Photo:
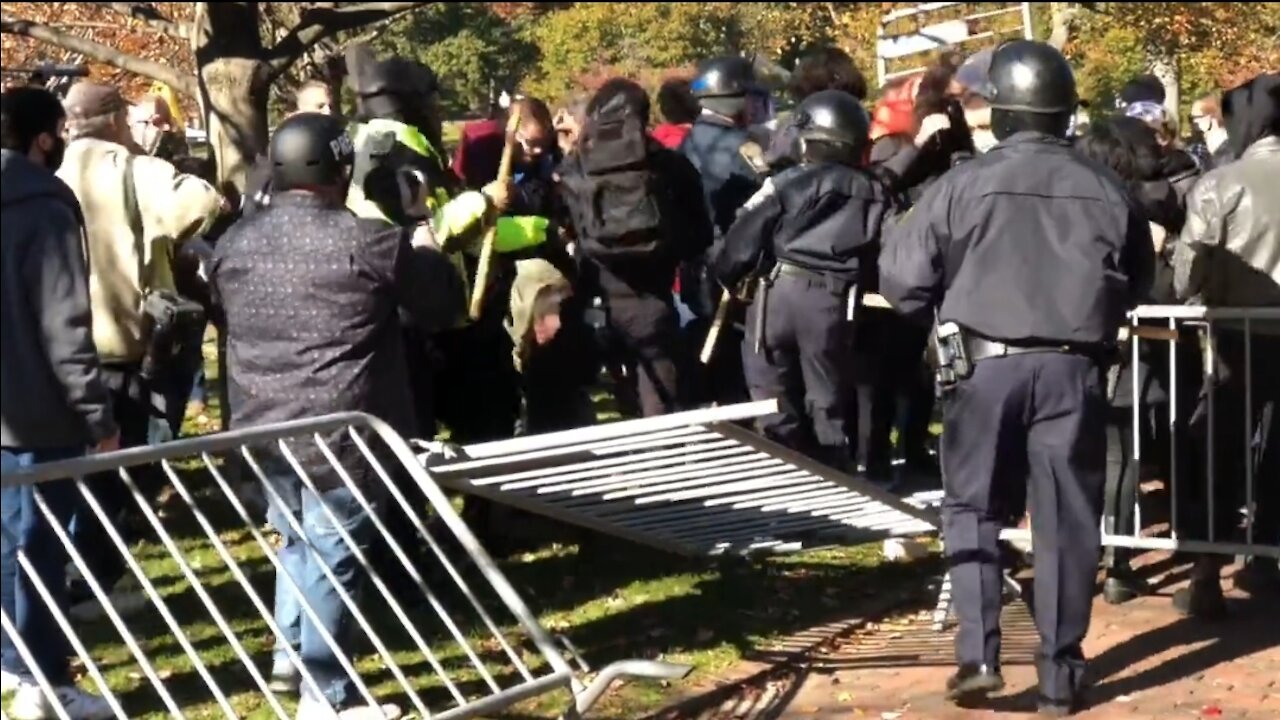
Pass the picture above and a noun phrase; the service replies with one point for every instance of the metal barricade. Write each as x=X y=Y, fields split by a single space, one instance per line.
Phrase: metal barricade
x=692 y=483
x=1205 y=324
x=455 y=641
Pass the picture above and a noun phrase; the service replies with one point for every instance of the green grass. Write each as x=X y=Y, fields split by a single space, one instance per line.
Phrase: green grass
x=613 y=600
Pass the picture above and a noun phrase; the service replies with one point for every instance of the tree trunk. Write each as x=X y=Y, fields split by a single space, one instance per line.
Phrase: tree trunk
x=234 y=88
x=234 y=93
x=1164 y=65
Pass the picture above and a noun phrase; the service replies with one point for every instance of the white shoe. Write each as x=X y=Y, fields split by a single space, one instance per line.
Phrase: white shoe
x=310 y=709
x=9 y=683
x=30 y=703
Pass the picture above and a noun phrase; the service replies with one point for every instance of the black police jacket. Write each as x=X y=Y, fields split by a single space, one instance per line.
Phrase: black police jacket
x=714 y=147
x=823 y=217
x=1029 y=242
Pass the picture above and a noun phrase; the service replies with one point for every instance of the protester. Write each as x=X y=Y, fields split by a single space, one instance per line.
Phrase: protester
x=636 y=211
x=291 y=358
x=1211 y=132
x=155 y=130
x=679 y=110
x=824 y=68
x=314 y=96
x=1228 y=255
x=55 y=403
x=138 y=209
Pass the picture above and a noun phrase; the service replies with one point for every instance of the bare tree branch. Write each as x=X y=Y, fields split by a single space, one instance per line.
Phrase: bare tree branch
x=320 y=21
x=96 y=51
x=149 y=15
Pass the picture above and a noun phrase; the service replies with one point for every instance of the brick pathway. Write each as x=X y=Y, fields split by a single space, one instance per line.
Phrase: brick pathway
x=1146 y=661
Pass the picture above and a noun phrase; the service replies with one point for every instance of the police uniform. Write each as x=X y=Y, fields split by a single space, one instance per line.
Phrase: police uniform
x=1035 y=254
x=715 y=146
x=813 y=229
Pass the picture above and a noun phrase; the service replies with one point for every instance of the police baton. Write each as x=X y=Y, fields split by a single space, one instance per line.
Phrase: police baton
x=713 y=334
x=490 y=236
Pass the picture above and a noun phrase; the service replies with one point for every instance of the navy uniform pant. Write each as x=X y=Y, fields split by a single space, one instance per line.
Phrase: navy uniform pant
x=805 y=363
x=1037 y=418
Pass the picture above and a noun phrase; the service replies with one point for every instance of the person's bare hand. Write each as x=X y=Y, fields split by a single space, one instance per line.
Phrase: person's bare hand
x=107 y=445
x=499 y=193
x=931 y=126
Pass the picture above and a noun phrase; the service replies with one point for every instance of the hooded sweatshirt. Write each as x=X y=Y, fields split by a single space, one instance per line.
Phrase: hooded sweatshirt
x=1229 y=251
x=52 y=391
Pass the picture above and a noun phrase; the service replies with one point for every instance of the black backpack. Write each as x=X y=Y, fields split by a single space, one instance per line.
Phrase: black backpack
x=614 y=195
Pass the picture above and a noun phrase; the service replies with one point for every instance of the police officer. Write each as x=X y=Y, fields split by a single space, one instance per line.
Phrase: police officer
x=731 y=101
x=815 y=228
x=1033 y=254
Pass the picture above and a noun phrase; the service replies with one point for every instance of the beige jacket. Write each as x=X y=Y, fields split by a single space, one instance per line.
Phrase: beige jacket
x=172 y=207
x=1229 y=251
x=533 y=277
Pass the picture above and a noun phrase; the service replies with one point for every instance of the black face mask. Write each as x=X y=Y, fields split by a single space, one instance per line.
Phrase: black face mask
x=53 y=158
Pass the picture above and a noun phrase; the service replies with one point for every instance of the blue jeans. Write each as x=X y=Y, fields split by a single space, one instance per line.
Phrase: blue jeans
x=25 y=528
x=305 y=565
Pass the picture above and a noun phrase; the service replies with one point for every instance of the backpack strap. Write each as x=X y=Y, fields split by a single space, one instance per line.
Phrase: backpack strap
x=133 y=214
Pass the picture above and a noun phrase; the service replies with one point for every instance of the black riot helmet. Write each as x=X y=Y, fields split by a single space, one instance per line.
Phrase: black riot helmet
x=310 y=151
x=1032 y=88
x=831 y=125
x=728 y=76
x=722 y=85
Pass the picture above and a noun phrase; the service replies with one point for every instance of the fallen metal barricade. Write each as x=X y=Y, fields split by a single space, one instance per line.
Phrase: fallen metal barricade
x=1205 y=323
x=457 y=642
x=692 y=483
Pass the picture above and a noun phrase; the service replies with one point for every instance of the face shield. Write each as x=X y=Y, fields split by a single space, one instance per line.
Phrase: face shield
x=759 y=108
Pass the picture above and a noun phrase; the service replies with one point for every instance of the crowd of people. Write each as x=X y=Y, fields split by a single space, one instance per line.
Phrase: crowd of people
x=971 y=197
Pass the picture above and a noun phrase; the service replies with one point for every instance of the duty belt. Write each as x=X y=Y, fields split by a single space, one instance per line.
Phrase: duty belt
x=983 y=349
x=834 y=283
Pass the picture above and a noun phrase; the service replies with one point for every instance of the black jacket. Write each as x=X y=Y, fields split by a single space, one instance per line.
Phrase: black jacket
x=1028 y=243
x=52 y=390
x=823 y=217
x=685 y=215
x=310 y=294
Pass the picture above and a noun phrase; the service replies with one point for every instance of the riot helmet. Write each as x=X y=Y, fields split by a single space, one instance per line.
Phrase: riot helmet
x=309 y=151
x=1032 y=88
x=832 y=126
x=723 y=84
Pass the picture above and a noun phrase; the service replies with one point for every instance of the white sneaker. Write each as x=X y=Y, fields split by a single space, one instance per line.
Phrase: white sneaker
x=311 y=709
x=31 y=704
x=9 y=683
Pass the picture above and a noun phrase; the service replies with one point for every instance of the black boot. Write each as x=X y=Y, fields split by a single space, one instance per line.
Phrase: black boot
x=1203 y=597
x=1057 y=708
x=1123 y=585
x=974 y=682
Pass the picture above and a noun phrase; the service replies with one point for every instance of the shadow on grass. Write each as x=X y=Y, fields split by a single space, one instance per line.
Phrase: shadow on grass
x=626 y=602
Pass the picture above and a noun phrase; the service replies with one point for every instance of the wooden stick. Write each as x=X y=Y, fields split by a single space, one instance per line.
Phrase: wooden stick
x=490 y=236
x=713 y=333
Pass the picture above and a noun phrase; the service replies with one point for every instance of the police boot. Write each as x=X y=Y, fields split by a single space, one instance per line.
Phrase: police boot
x=1203 y=597
x=973 y=683
x=1122 y=583
x=1049 y=708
